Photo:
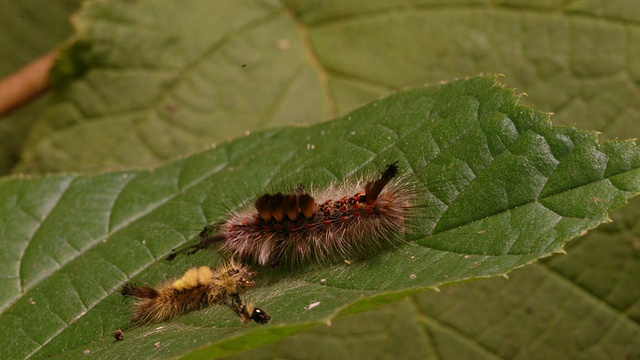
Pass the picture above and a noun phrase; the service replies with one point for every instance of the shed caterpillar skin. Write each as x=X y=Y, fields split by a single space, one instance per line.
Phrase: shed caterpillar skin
x=195 y=290
x=298 y=228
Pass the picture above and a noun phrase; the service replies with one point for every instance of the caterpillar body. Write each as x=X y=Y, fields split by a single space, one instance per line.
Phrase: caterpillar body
x=195 y=290
x=344 y=221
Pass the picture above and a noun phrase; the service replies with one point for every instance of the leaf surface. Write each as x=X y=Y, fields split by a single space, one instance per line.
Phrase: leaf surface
x=148 y=81
x=581 y=305
x=74 y=240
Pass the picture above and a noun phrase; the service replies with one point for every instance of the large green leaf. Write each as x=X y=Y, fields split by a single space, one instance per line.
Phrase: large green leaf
x=563 y=307
x=150 y=80
x=499 y=188
x=146 y=81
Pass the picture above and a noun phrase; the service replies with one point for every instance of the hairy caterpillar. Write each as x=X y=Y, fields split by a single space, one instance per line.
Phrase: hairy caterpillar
x=298 y=227
x=196 y=289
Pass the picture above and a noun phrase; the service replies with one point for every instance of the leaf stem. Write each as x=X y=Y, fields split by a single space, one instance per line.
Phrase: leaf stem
x=26 y=84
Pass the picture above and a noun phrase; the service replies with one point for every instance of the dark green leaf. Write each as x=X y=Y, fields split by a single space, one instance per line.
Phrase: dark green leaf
x=73 y=240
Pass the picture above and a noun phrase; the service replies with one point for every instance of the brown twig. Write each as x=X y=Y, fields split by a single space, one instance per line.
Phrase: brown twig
x=26 y=84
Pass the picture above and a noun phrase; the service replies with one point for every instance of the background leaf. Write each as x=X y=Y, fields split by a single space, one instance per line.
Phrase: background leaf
x=120 y=225
x=28 y=30
x=147 y=81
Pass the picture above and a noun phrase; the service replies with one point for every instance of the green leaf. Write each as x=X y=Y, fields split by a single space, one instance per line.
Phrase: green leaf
x=562 y=307
x=151 y=80
x=566 y=306
x=28 y=30
x=73 y=241
x=146 y=81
